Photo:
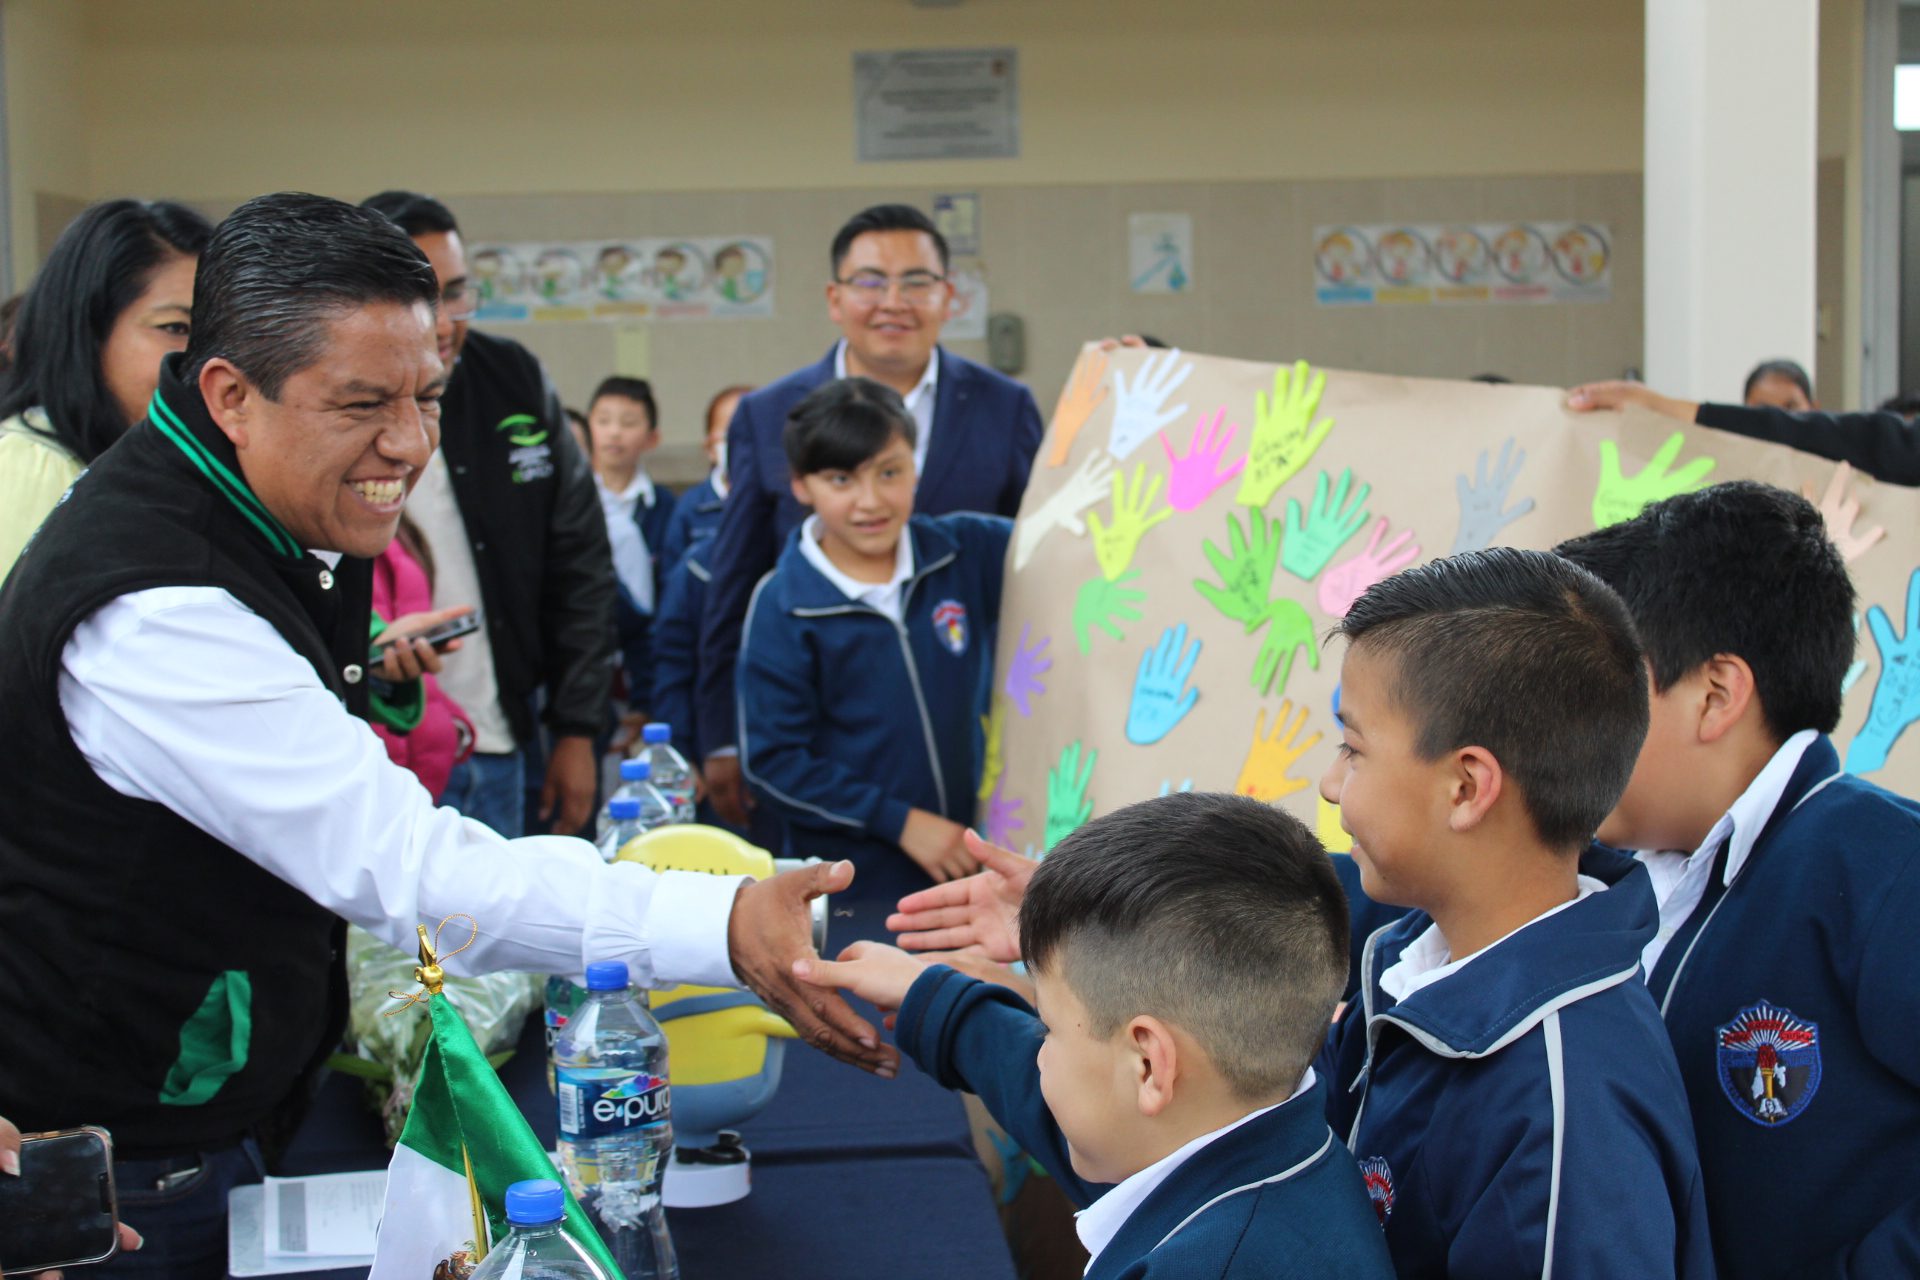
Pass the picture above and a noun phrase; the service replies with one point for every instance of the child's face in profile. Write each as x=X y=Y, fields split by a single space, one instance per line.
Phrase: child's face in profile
x=1650 y=814
x=1089 y=1083
x=863 y=511
x=1394 y=804
x=621 y=431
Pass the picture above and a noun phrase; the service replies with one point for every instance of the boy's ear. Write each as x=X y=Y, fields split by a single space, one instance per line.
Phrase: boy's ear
x=1477 y=782
x=1156 y=1062
x=800 y=494
x=1726 y=695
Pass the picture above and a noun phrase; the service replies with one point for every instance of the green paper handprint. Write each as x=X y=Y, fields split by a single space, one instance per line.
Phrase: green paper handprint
x=1291 y=630
x=1619 y=497
x=1114 y=544
x=1245 y=568
x=1101 y=602
x=1067 y=802
x=1284 y=433
x=1328 y=525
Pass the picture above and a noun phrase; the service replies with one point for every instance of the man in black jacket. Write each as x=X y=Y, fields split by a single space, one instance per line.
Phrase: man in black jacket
x=509 y=513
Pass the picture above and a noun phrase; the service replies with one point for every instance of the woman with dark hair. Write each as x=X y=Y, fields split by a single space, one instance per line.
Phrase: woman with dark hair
x=112 y=298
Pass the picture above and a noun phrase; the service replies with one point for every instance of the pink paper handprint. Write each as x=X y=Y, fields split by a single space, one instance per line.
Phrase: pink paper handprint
x=1349 y=580
x=1197 y=474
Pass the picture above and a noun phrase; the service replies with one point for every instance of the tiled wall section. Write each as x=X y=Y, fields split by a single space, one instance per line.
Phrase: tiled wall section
x=1056 y=257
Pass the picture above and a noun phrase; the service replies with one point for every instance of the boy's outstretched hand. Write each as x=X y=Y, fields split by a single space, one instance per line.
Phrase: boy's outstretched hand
x=981 y=911
x=874 y=971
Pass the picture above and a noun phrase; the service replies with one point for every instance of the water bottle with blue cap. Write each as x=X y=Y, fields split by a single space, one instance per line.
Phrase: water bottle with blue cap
x=671 y=772
x=616 y=1132
x=536 y=1248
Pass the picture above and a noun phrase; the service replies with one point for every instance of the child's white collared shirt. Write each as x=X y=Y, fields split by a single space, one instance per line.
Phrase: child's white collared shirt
x=885 y=597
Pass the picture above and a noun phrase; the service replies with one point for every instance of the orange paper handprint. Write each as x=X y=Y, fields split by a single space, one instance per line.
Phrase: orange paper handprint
x=1086 y=388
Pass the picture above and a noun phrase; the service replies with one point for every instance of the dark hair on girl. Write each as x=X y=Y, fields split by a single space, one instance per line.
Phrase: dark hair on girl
x=99 y=267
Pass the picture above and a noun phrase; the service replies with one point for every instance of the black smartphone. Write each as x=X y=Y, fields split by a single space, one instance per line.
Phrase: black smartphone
x=60 y=1211
x=452 y=629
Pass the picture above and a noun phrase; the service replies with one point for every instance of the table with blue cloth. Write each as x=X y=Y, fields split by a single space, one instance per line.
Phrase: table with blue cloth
x=853 y=1176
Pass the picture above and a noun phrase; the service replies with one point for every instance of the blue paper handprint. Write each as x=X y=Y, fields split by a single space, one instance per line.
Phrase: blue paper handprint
x=1896 y=696
x=1160 y=694
x=1482 y=500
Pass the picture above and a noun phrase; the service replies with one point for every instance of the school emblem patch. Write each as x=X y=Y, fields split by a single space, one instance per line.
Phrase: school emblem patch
x=950 y=626
x=1769 y=1063
x=1379 y=1181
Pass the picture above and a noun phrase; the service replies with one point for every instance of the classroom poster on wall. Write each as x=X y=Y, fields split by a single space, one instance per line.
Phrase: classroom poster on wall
x=1401 y=264
x=1195 y=526
x=967 y=313
x=937 y=104
x=663 y=278
x=1160 y=252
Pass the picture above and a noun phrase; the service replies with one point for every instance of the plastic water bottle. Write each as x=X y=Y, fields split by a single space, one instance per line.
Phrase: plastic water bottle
x=625 y=821
x=636 y=783
x=536 y=1248
x=564 y=998
x=616 y=1131
x=671 y=772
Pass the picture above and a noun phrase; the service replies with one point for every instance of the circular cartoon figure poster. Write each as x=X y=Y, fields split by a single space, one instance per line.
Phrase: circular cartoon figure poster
x=1402 y=255
x=1580 y=254
x=617 y=270
x=1343 y=256
x=1461 y=255
x=679 y=271
x=499 y=275
x=740 y=272
x=1520 y=253
x=557 y=277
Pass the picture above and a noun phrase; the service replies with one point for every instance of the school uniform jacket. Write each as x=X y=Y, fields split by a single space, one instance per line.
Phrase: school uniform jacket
x=1524 y=1117
x=632 y=625
x=848 y=719
x=1793 y=1004
x=986 y=429
x=695 y=516
x=676 y=649
x=1277 y=1197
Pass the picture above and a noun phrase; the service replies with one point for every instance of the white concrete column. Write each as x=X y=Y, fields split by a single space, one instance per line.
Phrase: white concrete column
x=1731 y=142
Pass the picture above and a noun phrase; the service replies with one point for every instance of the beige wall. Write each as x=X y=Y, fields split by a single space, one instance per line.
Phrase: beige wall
x=633 y=117
x=481 y=96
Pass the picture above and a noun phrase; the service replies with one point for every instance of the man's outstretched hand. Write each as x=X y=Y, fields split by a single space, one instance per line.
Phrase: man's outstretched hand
x=769 y=931
x=981 y=911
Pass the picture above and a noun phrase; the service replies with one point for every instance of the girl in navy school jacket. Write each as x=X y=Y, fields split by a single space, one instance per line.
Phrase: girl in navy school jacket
x=848 y=720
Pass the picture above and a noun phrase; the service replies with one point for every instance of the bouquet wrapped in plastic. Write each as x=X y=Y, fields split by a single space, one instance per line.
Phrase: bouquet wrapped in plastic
x=386 y=1052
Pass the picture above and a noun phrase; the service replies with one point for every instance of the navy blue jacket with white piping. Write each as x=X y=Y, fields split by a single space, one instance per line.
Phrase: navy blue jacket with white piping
x=695 y=517
x=1812 y=1167
x=1277 y=1197
x=848 y=720
x=1524 y=1116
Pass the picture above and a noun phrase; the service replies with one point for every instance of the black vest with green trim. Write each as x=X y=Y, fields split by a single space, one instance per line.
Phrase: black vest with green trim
x=152 y=979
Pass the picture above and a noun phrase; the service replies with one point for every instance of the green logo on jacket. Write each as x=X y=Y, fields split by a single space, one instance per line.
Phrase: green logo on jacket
x=523 y=429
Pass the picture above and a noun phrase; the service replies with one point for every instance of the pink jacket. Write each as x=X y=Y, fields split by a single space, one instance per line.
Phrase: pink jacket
x=444 y=736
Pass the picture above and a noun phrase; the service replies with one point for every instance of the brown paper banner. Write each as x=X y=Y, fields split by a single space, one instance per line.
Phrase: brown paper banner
x=1118 y=676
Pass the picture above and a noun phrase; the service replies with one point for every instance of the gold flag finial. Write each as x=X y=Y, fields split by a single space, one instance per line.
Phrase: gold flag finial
x=428 y=972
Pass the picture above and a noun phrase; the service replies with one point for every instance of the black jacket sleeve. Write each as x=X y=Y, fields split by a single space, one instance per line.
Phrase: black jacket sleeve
x=576 y=589
x=1881 y=444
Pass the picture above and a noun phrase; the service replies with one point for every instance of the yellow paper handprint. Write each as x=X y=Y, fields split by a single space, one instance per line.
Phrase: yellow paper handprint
x=1264 y=773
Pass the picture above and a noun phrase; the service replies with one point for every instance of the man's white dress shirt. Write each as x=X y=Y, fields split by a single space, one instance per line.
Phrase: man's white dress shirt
x=185 y=697
x=468 y=676
x=920 y=401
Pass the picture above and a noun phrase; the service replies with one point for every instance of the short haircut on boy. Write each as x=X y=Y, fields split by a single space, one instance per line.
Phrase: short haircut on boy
x=840 y=424
x=638 y=390
x=885 y=217
x=1739 y=568
x=1214 y=912
x=1526 y=655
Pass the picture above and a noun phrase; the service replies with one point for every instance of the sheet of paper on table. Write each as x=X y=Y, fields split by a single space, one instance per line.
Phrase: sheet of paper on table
x=319 y=1223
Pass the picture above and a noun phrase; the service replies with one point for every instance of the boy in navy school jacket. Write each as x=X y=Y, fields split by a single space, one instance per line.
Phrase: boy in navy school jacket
x=867 y=656
x=1186 y=953
x=1504 y=1078
x=1789 y=890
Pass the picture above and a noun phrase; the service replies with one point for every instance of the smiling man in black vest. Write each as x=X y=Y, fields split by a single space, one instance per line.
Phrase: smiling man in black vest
x=190 y=810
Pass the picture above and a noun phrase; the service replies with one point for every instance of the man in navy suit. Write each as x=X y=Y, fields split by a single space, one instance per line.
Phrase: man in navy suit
x=978 y=432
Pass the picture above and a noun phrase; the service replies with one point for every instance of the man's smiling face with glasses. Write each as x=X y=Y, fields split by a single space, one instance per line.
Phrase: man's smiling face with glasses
x=889 y=298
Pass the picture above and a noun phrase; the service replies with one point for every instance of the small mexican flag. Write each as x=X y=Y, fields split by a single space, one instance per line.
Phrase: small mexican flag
x=464 y=1144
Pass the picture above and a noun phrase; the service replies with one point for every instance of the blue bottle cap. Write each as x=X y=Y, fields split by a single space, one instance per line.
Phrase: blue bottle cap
x=622 y=808
x=636 y=770
x=607 y=975
x=535 y=1202
x=656 y=732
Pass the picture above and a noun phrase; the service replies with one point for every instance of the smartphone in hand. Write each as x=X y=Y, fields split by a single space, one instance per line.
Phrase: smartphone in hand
x=61 y=1210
